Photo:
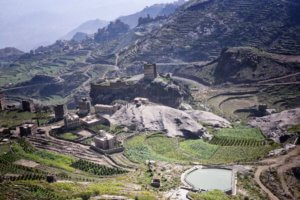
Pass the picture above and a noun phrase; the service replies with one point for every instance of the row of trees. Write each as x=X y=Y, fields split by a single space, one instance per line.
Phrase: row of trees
x=96 y=169
x=237 y=142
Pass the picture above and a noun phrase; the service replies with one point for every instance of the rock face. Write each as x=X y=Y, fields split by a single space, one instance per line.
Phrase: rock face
x=160 y=90
x=247 y=64
x=209 y=118
x=274 y=126
x=154 y=117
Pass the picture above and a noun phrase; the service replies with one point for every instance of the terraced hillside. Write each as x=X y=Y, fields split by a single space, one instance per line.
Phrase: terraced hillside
x=200 y=29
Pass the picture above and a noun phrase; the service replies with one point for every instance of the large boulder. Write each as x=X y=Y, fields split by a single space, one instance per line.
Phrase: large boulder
x=276 y=125
x=154 y=117
x=209 y=118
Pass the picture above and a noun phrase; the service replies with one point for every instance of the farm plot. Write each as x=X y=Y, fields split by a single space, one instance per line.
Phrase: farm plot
x=239 y=136
x=160 y=147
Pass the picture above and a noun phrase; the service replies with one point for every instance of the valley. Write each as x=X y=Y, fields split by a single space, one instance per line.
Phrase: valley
x=135 y=109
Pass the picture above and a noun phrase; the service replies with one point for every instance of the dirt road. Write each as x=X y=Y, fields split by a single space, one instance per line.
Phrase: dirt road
x=282 y=163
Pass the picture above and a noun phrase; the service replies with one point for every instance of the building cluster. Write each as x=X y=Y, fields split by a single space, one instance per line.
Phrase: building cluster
x=84 y=116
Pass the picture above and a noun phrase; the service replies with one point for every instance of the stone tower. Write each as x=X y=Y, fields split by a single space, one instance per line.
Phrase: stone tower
x=150 y=72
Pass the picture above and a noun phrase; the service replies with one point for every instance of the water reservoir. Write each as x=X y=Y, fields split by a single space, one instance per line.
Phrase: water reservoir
x=210 y=179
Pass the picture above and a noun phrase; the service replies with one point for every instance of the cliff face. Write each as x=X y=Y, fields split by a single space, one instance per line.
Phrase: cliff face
x=160 y=90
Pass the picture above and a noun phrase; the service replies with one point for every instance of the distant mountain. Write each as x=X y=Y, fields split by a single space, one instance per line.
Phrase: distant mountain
x=88 y=27
x=32 y=30
x=152 y=11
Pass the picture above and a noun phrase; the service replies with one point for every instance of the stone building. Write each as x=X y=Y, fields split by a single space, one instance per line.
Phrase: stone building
x=106 y=141
x=150 y=72
x=2 y=102
x=105 y=109
x=60 y=112
x=27 y=106
x=92 y=120
x=28 y=129
x=84 y=107
x=71 y=121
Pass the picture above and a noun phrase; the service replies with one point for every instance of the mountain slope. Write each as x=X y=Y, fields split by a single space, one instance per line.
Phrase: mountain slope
x=202 y=28
x=152 y=11
x=88 y=27
x=10 y=54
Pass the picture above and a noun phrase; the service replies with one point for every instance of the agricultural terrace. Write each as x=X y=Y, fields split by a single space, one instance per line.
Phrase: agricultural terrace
x=239 y=136
x=178 y=150
x=24 y=170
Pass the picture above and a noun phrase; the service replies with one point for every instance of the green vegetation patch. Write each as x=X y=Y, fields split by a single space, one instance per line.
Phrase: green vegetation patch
x=241 y=132
x=68 y=136
x=239 y=136
x=199 y=149
x=211 y=195
x=14 y=118
x=23 y=149
x=160 y=147
x=294 y=129
x=96 y=169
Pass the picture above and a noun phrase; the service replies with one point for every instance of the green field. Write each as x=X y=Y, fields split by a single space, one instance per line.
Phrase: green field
x=241 y=132
x=14 y=118
x=239 y=136
x=160 y=147
x=212 y=195
x=68 y=136
x=23 y=149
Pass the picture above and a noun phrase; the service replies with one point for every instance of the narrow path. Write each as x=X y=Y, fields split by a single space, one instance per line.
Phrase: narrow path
x=279 y=78
x=258 y=172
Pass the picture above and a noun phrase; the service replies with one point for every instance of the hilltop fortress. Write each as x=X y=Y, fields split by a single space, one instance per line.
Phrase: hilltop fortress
x=157 y=88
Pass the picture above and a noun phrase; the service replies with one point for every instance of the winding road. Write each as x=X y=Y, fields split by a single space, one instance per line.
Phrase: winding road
x=282 y=163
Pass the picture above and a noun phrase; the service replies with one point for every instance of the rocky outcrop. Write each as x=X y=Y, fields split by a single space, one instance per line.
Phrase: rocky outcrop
x=276 y=125
x=154 y=117
x=160 y=90
x=208 y=118
x=112 y=31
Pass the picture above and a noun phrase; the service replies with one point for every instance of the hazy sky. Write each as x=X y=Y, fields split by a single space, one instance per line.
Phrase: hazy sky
x=80 y=9
x=27 y=24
